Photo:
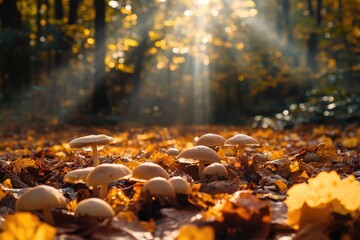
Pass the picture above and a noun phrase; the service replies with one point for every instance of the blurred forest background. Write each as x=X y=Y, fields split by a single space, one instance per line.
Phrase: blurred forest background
x=273 y=63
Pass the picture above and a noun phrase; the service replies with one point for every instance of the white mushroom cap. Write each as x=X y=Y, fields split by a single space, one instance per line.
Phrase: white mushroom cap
x=173 y=151
x=180 y=185
x=94 y=207
x=78 y=175
x=86 y=141
x=241 y=139
x=202 y=154
x=40 y=197
x=199 y=153
x=107 y=172
x=92 y=142
x=159 y=187
x=211 y=140
x=148 y=170
x=216 y=169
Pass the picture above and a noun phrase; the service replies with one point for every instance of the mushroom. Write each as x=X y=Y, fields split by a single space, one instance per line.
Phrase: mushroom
x=41 y=197
x=173 y=151
x=216 y=169
x=311 y=157
x=148 y=170
x=180 y=185
x=94 y=207
x=259 y=159
x=241 y=141
x=211 y=140
x=201 y=154
x=78 y=175
x=105 y=173
x=94 y=143
x=160 y=188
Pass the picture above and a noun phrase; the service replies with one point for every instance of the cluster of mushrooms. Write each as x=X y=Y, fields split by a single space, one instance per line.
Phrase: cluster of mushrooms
x=157 y=181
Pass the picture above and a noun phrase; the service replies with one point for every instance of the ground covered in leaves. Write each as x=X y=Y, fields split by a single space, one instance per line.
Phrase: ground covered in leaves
x=301 y=183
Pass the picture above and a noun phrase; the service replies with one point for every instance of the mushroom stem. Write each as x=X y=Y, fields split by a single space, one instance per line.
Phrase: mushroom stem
x=103 y=191
x=201 y=169
x=95 y=155
x=174 y=201
x=95 y=191
x=48 y=215
x=240 y=150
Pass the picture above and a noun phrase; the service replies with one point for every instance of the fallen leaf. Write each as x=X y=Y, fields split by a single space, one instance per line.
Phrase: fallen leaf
x=193 y=232
x=24 y=226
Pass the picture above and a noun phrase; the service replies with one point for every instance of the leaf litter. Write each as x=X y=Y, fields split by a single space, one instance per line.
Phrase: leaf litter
x=269 y=194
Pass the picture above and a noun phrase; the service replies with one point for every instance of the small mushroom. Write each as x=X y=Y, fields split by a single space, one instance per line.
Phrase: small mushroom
x=211 y=140
x=94 y=143
x=173 y=151
x=94 y=207
x=160 y=188
x=201 y=154
x=180 y=185
x=78 y=175
x=216 y=169
x=182 y=190
x=147 y=170
x=311 y=157
x=104 y=174
x=259 y=159
x=241 y=141
x=41 y=197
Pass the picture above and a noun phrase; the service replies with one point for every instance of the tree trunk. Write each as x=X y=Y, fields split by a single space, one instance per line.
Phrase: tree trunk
x=100 y=101
x=9 y=15
x=279 y=20
x=311 y=50
x=59 y=10
x=349 y=60
x=312 y=43
x=74 y=5
x=147 y=18
x=318 y=13
x=15 y=57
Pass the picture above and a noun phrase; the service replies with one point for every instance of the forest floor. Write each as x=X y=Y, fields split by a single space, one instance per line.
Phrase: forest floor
x=274 y=190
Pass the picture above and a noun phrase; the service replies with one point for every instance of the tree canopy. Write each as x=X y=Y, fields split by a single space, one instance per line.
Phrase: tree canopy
x=189 y=61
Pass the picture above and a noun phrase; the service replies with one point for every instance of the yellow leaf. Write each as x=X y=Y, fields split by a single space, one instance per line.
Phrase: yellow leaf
x=7 y=183
x=347 y=193
x=294 y=166
x=276 y=155
x=117 y=198
x=149 y=225
x=2 y=194
x=128 y=216
x=24 y=226
x=193 y=232
x=22 y=163
x=351 y=142
x=281 y=185
x=325 y=194
x=70 y=206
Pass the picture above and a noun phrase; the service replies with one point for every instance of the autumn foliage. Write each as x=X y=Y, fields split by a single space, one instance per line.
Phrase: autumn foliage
x=300 y=182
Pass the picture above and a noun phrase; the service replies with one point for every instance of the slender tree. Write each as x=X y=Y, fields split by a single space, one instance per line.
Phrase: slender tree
x=146 y=20
x=100 y=101
x=312 y=43
x=59 y=10
x=74 y=5
x=9 y=15
x=14 y=60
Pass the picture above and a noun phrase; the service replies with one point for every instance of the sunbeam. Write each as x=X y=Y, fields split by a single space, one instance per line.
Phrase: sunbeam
x=188 y=61
x=200 y=71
